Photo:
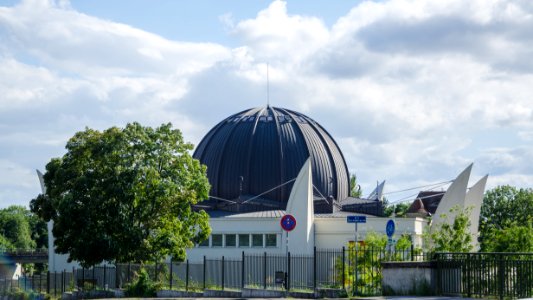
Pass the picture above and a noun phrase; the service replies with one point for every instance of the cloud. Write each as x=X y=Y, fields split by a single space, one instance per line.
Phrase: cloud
x=407 y=88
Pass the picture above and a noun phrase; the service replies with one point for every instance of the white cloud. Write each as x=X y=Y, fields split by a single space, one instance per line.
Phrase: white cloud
x=405 y=87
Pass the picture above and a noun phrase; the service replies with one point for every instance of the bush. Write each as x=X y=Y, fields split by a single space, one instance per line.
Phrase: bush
x=142 y=286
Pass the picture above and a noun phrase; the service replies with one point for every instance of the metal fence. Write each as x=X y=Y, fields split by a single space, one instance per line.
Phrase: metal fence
x=356 y=270
x=503 y=275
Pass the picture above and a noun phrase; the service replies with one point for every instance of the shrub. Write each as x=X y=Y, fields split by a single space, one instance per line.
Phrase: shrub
x=142 y=286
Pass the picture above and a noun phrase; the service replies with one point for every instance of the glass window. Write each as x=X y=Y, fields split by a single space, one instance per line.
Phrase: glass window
x=231 y=240
x=257 y=240
x=204 y=243
x=262 y=118
x=244 y=240
x=216 y=240
x=270 y=240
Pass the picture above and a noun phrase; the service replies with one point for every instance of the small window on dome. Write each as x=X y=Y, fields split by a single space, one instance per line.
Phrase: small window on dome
x=262 y=119
x=270 y=119
x=251 y=119
x=288 y=119
x=236 y=120
x=281 y=118
x=244 y=119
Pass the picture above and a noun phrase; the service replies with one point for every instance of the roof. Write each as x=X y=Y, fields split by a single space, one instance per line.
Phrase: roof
x=260 y=151
x=430 y=201
x=256 y=214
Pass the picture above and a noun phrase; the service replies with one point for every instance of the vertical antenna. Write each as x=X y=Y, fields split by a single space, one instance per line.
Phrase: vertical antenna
x=268 y=88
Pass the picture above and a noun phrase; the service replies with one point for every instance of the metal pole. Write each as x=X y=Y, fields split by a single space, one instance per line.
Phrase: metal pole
x=288 y=271
x=314 y=268
x=105 y=277
x=187 y=276
x=242 y=271
x=204 y=272
x=343 y=268
x=48 y=282
x=265 y=271
x=171 y=273
x=222 y=272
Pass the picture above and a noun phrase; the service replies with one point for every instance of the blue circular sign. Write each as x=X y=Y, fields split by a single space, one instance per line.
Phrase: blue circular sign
x=391 y=226
x=288 y=222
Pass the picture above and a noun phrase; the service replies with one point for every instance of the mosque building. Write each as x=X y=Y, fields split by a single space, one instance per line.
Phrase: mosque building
x=265 y=163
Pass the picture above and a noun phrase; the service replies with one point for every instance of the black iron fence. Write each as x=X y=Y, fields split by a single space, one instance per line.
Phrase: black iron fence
x=358 y=271
x=503 y=275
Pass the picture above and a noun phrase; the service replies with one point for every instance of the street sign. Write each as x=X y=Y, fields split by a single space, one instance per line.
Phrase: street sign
x=390 y=228
x=288 y=222
x=356 y=219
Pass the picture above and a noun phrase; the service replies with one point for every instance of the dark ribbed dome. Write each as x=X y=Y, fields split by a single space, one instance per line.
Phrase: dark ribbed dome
x=256 y=150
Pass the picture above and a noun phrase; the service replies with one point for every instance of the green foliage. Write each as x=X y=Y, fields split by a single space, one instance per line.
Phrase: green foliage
x=125 y=195
x=142 y=286
x=514 y=238
x=5 y=244
x=15 y=227
x=455 y=237
x=403 y=243
x=504 y=208
x=355 y=189
x=398 y=209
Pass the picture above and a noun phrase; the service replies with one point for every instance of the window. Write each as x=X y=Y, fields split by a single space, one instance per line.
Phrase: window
x=231 y=240
x=270 y=240
x=204 y=243
x=216 y=240
x=257 y=240
x=244 y=240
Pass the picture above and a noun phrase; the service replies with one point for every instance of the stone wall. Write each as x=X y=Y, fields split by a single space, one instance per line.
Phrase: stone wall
x=408 y=278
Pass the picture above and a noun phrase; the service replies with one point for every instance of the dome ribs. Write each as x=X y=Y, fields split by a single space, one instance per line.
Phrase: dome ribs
x=268 y=146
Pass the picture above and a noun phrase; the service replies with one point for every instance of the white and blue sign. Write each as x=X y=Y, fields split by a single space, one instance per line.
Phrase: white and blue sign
x=356 y=219
x=391 y=227
x=288 y=222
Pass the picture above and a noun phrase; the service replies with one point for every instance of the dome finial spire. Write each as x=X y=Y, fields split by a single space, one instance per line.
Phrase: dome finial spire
x=268 y=87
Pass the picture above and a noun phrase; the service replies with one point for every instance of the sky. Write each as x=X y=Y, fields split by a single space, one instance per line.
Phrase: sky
x=413 y=91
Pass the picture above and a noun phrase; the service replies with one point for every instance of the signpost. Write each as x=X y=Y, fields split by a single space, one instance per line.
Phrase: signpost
x=288 y=223
x=356 y=220
x=389 y=229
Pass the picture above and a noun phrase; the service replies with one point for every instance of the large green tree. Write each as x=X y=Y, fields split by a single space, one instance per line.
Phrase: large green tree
x=503 y=209
x=125 y=194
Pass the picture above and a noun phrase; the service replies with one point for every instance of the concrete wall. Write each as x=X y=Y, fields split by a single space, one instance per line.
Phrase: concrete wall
x=335 y=232
x=408 y=278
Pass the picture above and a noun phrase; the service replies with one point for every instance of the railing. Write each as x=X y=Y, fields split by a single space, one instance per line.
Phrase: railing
x=356 y=270
x=502 y=275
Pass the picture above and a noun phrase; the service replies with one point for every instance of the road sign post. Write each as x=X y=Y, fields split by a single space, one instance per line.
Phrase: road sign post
x=356 y=220
x=288 y=223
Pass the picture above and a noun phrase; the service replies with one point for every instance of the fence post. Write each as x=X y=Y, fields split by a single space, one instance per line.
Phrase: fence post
x=222 y=272
x=41 y=282
x=204 y=272
x=501 y=277
x=242 y=271
x=265 y=271
x=105 y=277
x=170 y=275
x=354 y=287
x=314 y=268
x=63 y=275
x=48 y=282
x=95 y=282
x=288 y=271
x=116 y=276
x=187 y=276
x=129 y=272
x=468 y=275
x=55 y=283
x=343 y=268
x=412 y=252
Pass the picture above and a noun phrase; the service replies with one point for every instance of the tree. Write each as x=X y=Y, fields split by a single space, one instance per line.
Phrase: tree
x=514 y=238
x=454 y=237
x=355 y=189
x=15 y=228
x=503 y=207
x=125 y=195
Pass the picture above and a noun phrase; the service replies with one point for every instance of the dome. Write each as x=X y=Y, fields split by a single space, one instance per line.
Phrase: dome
x=253 y=157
